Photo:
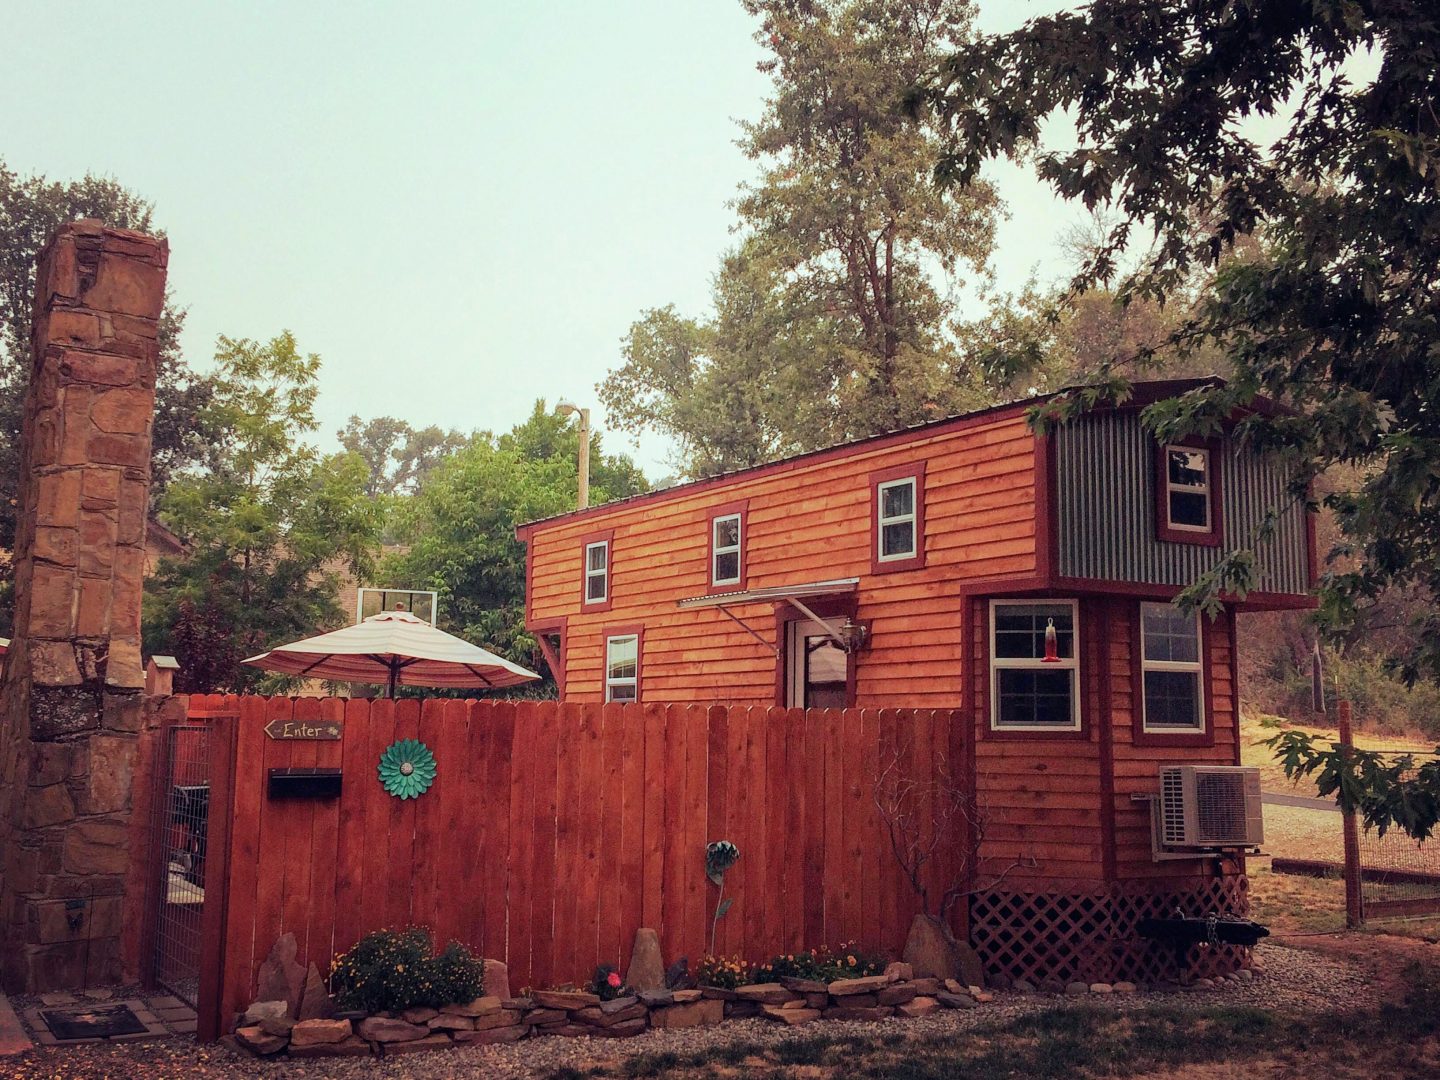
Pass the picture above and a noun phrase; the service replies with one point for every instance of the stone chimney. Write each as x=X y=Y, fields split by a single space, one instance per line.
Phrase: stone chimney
x=70 y=701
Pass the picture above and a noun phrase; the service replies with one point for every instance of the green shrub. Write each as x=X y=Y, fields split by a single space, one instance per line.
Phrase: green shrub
x=606 y=984
x=389 y=970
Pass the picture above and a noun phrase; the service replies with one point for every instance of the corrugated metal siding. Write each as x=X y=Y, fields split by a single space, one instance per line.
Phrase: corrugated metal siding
x=1105 y=472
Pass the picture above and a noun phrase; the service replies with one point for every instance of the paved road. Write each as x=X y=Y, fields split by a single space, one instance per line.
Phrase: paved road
x=1305 y=802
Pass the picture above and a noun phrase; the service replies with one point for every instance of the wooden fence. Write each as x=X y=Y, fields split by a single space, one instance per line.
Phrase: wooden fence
x=553 y=831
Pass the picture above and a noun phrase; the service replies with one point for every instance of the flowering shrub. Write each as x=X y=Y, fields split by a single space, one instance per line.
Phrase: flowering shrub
x=822 y=964
x=607 y=984
x=388 y=970
x=724 y=972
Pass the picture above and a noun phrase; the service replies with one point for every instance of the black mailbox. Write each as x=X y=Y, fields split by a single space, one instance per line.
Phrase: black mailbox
x=304 y=784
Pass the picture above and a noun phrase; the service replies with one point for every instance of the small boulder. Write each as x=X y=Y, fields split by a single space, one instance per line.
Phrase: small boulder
x=657 y=998
x=1101 y=988
x=281 y=978
x=384 y=1029
x=315 y=1032
x=647 y=965
x=255 y=1039
x=696 y=1014
x=920 y=1006
x=315 y=1000
x=899 y=971
x=265 y=1010
x=955 y=1001
x=497 y=979
x=677 y=975
x=1125 y=988
x=1076 y=989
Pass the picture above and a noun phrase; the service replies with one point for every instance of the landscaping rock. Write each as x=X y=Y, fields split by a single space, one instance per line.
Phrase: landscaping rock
x=742 y=1010
x=315 y=1000
x=677 y=975
x=954 y=987
x=920 y=1006
x=696 y=1014
x=1021 y=986
x=483 y=1006
x=517 y=1004
x=684 y=996
x=999 y=982
x=420 y=1014
x=354 y=1046
x=932 y=952
x=624 y=1030
x=817 y=1000
x=647 y=965
x=867 y=985
x=508 y=1034
x=497 y=979
x=899 y=971
x=793 y=1017
x=898 y=994
x=563 y=999
x=255 y=1039
x=316 y=1032
x=955 y=1001
x=927 y=986
x=449 y=1022
x=765 y=994
x=498 y=1018
x=620 y=1004
x=281 y=978
x=278 y=1025
x=804 y=986
x=429 y=1042
x=384 y=1029
x=598 y=1017
x=1075 y=989
x=1101 y=988
x=657 y=998
x=536 y=1017
x=265 y=1010
x=1125 y=988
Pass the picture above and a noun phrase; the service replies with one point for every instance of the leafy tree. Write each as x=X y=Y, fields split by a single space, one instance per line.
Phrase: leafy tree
x=458 y=532
x=1336 y=310
x=398 y=456
x=269 y=523
x=829 y=320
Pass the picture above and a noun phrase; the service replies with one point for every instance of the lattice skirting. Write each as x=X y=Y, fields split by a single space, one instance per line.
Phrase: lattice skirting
x=1090 y=936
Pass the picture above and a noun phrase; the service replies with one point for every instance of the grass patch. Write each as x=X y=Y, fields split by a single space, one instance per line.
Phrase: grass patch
x=1088 y=1041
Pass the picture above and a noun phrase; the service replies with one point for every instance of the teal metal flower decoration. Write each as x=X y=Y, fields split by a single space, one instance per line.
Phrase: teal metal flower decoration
x=407 y=768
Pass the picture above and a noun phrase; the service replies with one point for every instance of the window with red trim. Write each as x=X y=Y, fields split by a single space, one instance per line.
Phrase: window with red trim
x=897 y=518
x=1187 y=493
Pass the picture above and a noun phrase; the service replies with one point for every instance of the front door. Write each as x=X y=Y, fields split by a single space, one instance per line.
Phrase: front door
x=815 y=666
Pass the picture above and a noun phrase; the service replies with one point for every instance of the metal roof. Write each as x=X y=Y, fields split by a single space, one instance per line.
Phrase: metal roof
x=774 y=592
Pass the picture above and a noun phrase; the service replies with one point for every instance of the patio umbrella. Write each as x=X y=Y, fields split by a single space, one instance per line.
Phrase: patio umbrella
x=397 y=649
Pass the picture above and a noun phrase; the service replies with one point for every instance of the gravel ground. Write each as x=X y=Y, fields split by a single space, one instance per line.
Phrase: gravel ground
x=1292 y=981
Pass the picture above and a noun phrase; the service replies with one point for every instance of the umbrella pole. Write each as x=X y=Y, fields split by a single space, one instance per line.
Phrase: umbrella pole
x=394 y=675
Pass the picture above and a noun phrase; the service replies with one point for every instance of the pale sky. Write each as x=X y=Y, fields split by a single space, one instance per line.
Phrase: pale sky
x=460 y=206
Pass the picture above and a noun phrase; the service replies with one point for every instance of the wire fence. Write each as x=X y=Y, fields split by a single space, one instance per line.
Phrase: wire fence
x=180 y=814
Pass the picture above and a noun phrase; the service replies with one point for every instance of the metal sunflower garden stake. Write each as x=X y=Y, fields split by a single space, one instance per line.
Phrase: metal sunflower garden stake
x=407 y=768
x=719 y=857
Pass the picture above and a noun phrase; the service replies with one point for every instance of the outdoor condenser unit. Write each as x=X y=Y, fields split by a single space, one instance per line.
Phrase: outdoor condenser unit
x=1210 y=806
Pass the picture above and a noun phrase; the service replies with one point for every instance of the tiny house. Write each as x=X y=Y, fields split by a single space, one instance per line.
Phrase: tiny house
x=969 y=564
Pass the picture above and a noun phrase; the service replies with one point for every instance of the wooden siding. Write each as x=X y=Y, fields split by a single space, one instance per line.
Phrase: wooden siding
x=803 y=524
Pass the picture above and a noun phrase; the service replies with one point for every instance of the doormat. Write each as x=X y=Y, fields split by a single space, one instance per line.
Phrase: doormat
x=95 y=1022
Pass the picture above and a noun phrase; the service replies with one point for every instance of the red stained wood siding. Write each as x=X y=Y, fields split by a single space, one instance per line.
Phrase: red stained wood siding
x=805 y=521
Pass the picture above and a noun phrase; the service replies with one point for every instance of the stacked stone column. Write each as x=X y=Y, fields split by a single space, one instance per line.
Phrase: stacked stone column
x=70 y=704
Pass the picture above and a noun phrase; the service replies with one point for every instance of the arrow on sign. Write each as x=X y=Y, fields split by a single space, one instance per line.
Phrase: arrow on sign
x=321 y=730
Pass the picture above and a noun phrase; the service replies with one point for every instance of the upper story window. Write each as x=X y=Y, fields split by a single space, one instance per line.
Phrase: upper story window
x=1187 y=488
x=1187 y=492
x=622 y=668
x=725 y=541
x=898 y=518
x=1034 y=665
x=597 y=572
x=1171 y=669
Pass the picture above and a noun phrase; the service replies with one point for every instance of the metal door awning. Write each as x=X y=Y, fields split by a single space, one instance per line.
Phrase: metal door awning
x=794 y=595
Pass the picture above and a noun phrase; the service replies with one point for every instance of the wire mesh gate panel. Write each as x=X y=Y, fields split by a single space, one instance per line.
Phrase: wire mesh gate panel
x=180 y=813
x=1399 y=876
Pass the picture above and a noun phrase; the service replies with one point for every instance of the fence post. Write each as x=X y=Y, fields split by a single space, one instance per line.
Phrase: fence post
x=224 y=732
x=1354 y=908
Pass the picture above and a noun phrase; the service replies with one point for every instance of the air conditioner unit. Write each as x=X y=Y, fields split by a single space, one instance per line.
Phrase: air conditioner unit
x=1210 y=806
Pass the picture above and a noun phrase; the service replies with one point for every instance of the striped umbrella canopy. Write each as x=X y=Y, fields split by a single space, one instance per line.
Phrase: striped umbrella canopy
x=397 y=649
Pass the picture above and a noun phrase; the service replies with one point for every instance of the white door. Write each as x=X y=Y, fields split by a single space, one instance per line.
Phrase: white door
x=815 y=667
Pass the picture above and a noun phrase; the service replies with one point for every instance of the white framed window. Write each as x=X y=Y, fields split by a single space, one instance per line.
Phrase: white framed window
x=895 y=508
x=726 y=537
x=1171 y=669
x=1188 y=480
x=622 y=668
x=1029 y=692
x=597 y=572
